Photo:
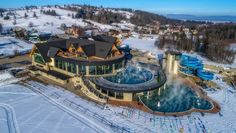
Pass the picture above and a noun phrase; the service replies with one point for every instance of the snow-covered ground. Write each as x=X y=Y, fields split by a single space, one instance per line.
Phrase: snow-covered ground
x=147 y=44
x=127 y=14
x=51 y=24
x=23 y=110
x=7 y=78
x=124 y=25
x=47 y=108
x=10 y=45
x=43 y=23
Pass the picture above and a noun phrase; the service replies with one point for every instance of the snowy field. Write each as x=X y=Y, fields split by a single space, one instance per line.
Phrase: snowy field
x=147 y=45
x=24 y=111
x=38 y=108
x=10 y=45
x=43 y=23
x=51 y=24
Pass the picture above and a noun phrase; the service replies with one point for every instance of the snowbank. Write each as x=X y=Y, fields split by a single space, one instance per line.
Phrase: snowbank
x=146 y=45
x=10 y=46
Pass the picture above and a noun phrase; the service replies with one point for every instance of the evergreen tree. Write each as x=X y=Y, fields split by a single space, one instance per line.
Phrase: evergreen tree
x=14 y=22
x=63 y=26
x=26 y=16
x=35 y=15
x=6 y=17
x=0 y=28
x=197 y=44
x=31 y=24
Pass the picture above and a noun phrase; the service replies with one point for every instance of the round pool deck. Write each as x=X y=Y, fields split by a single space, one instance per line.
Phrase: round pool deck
x=152 y=84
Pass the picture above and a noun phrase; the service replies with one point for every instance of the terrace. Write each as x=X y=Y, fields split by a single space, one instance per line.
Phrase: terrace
x=154 y=82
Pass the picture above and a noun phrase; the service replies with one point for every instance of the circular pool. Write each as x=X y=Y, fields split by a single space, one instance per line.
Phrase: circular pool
x=175 y=98
x=132 y=74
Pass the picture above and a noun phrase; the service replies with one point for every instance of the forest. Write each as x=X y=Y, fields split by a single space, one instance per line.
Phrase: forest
x=212 y=41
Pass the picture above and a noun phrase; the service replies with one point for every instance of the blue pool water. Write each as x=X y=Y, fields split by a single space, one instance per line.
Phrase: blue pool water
x=131 y=75
x=175 y=98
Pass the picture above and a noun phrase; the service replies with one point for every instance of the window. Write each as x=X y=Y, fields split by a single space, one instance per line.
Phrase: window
x=58 y=63
x=92 y=70
x=108 y=69
x=71 y=68
x=63 y=66
x=39 y=59
x=111 y=94
x=119 y=95
x=118 y=65
x=104 y=91
x=99 y=70
x=82 y=69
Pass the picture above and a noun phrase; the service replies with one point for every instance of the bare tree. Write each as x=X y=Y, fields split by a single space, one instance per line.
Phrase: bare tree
x=14 y=22
x=31 y=24
x=26 y=15
x=35 y=15
x=0 y=28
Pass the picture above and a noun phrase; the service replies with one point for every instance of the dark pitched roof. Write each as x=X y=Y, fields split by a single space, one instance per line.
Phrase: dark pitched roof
x=102 y=49
x=52 y=52
x=78 y=42
x=104 y=38
x=58 y=43
x=43 y=48
x=91 y=48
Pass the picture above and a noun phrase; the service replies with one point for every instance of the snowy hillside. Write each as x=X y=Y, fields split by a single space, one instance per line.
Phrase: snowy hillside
x=10 y=46
x=43 y=23
x=51 y=24
x=34 y=107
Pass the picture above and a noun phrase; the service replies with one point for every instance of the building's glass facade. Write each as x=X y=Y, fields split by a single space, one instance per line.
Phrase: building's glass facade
x=92 y=70
x=38 y=59
x=117 y=95
x=82 y=70
x=88 y=70
x=71 y=68
x=60 y=64
x=118 y=65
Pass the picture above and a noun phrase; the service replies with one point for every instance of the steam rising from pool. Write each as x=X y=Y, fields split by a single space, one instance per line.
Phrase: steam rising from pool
x=176 y=97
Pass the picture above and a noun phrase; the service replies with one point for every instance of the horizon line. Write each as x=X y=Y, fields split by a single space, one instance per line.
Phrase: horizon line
x=151 y=11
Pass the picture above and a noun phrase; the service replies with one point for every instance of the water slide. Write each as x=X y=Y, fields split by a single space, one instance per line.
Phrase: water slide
x=193 y=66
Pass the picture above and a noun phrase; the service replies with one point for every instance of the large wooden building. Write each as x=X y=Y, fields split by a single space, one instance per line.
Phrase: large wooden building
x=85 y=62
x=78 y=56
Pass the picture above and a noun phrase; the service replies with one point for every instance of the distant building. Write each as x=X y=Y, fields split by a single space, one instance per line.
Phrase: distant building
x=75 y=31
